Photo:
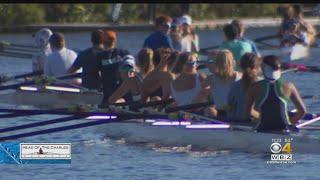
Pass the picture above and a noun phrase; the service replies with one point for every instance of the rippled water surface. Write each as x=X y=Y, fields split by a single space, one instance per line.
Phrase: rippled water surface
x=97 y=157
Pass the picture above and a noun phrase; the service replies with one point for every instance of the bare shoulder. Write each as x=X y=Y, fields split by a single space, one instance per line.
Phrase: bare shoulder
x=202 y=76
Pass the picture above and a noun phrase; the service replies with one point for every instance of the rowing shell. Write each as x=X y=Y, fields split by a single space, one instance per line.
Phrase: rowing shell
x=51 y=99
x=294 y=53
x=204 y=137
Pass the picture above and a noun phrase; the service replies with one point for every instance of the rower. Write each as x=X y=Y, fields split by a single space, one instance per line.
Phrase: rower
x=61 y=58
x=221 y=80
x=158 y=80
x=160 y=38
x=145 y=62
x=175 y=33
x=42 y=42
x=250 y=64
x=87 y=60
x=267 y=99
x=109 y=60
x=131 y=82
x=232 y=43
x=239 y=24
x=189 y=39
x=304 y=25
x=186 y=88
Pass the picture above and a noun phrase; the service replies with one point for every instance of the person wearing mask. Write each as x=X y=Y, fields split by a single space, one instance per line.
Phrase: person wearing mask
x=267 y=100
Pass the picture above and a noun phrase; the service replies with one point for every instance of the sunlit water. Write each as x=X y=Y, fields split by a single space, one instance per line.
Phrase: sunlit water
x=97 y=157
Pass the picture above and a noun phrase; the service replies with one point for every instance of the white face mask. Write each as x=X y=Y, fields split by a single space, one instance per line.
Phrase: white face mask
x=269 y=73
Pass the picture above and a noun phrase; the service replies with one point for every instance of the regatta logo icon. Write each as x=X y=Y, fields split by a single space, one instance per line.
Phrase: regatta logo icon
x=281 y=153
x=45 y=151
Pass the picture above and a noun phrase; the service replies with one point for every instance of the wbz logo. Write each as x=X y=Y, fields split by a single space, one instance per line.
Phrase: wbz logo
x=281 y=153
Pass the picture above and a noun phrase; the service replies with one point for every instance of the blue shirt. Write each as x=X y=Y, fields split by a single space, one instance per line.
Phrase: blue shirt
x=87 y=60
x=237 y=47
x=253 y=45
x=158 y=40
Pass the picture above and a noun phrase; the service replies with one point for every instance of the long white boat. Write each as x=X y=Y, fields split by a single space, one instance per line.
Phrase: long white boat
x=297 y=52
x=204 y=136
x=52 y=96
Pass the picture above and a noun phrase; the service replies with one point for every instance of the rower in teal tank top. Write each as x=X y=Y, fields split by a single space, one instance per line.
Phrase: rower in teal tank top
x=268 y=99
x=232 y=43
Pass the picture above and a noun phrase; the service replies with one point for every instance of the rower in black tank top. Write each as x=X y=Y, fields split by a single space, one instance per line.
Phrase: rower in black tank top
x=273 y=109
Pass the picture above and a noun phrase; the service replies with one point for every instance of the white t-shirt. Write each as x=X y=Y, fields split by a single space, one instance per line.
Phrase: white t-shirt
x=59 y=62
x=39 y=59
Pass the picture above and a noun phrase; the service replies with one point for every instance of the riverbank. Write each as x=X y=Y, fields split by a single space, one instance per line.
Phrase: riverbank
x=201 y=25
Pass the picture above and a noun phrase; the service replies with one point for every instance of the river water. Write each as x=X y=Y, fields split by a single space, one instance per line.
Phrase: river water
x=95 y=156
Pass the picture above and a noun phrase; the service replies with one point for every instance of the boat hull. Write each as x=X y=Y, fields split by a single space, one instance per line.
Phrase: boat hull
x=135 y=131
x=50 y=99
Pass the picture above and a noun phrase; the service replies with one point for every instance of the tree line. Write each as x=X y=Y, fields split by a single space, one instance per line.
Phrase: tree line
x=24 y=14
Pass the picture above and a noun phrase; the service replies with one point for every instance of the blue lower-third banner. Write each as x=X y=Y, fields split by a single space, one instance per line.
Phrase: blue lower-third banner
x=35 y=153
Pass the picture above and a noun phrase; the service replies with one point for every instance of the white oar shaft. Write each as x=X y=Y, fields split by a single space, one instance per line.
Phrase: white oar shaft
x=308 y=122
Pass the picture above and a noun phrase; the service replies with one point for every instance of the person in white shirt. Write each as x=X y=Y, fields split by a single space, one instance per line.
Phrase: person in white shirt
x=42 y=42
x=61 y=58
x=190 y=40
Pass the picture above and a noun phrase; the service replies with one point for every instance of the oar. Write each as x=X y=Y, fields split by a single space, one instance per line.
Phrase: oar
x=7 y=44
x=308 y=122
x=16 y=55
x=80 y=125
x=300 y=67
x=25 y=75
x=15 y=86
x=266 y=38
x=188 y=107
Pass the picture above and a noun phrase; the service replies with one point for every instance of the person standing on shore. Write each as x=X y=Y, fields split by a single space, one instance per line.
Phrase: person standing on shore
x=87 y=60
x=160 y=38
x=42 y=42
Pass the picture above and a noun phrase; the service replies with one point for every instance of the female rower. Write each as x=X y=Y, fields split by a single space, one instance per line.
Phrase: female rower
x=224 y=75
x=145 y=61
x=156 y=81
x=250 y=64
x=131 y=82
x=189 y=39
x=267 y=99
x=186 y=88
x=42 y=42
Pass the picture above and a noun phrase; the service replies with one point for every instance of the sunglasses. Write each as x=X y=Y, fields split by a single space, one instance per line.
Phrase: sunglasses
x=191 y=63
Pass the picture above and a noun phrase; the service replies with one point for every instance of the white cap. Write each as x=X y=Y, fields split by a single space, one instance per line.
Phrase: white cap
x=186 y=19
x=42 y=37
x=128 y=60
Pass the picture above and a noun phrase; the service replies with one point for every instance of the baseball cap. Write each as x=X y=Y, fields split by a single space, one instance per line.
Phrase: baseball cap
x=128 y=63
x=186 y=19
